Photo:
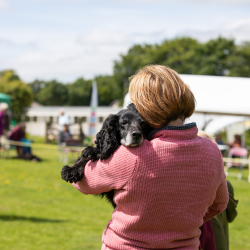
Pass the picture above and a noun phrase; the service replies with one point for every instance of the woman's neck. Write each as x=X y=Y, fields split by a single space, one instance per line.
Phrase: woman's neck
x=178 y=122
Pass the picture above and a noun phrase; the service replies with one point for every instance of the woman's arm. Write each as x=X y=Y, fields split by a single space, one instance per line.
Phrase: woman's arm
x=232 y=204
x=105 y=175
x=221 y=198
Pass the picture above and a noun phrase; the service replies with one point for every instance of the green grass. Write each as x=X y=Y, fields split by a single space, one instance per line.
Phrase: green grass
x=35 y=139
x=38 y=210
x=239 y=229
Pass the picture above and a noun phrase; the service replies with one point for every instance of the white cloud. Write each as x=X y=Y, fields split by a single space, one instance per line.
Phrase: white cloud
x=236 y=2
x=238 y=24
x=3 y=5
x=96 y=51
x=238 y=30
x=65 y=65
x=103 y=37
x=8 y=42
x=60 y=1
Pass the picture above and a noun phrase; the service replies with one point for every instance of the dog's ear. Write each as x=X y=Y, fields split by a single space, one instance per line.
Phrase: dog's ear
x=132 y=107
x=108 y=139
x=146 y=129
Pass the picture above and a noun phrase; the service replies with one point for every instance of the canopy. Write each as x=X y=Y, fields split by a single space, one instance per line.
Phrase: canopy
x=5 y=98
x=221 y=122
x=218 y=95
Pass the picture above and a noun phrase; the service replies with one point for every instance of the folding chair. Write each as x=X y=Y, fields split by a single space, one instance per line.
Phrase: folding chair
x=71 y=146
x=240 y=153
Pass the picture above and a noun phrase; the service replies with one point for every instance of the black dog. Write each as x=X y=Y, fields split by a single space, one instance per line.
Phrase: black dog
x=126 y=128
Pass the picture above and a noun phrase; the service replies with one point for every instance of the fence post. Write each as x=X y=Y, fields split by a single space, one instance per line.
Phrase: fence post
x=249 y=169
x=46 y=132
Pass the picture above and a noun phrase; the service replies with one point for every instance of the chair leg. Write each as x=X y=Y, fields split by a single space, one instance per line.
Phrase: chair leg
x=239 y=176
x=249 y=169
x=65 y=158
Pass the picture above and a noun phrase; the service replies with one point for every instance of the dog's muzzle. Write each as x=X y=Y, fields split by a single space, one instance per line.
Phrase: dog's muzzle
x=133 y=139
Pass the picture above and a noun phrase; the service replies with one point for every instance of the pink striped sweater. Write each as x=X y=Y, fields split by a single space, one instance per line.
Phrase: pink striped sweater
x=165 y=190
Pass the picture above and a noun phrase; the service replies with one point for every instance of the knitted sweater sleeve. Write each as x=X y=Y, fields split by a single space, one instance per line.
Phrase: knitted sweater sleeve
x=105 y=175
x=221 y=198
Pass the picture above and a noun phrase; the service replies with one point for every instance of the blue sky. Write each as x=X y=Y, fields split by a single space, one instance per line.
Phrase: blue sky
x=67 y=39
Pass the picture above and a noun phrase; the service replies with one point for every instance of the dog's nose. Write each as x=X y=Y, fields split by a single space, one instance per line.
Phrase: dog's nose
x=136 y=134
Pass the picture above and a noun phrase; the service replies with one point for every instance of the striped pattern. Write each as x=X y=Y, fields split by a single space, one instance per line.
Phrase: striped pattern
x=165 y=189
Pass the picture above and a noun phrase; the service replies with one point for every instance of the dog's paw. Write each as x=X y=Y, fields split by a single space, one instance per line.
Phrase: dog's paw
x=72 y=174
x=65 y=173
x=89 y=153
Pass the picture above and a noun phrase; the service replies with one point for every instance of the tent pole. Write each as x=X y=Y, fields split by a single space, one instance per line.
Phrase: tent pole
x=243 y=136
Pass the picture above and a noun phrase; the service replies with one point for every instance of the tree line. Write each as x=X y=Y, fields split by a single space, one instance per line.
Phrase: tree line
x=220 y=57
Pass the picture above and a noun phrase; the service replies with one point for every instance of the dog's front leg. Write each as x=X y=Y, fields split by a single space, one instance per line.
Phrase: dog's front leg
x=90 y=153
x=74 y=173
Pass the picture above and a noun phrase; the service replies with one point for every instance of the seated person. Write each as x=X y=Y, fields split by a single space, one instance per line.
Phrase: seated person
x=218 y=139
x=64 y=135
x=236 y=143
x=18 y=134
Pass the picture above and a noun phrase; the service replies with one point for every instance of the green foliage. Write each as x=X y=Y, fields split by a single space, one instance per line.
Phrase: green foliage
x=79 y=92
x=221 y=57
x=54 y=93
x=108 y=90
x=9 y=75
x=20 y=93
x=36 y=87
x=241 y=63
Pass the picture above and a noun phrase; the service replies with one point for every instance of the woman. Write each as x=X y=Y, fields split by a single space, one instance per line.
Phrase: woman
x=172 y=183
x=18 y=135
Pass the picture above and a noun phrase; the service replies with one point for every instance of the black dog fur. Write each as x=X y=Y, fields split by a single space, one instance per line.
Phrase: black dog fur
x=127 y=128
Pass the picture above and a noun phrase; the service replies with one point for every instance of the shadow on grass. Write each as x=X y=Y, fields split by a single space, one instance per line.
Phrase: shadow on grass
x=31 y=219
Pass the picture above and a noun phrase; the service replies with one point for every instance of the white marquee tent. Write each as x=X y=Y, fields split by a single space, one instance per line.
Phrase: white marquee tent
x=217 y=96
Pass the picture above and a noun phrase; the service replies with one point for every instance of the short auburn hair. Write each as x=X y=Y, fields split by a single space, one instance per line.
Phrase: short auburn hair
x=160 y=95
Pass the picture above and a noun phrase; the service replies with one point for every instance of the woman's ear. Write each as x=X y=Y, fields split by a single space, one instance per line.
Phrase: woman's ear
x=108 y=139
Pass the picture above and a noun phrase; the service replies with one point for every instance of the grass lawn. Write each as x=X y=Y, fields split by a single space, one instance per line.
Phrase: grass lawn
x=38 y=210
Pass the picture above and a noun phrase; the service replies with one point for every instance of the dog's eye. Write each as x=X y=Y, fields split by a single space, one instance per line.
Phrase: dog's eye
x=124 y=122
x=143 y=124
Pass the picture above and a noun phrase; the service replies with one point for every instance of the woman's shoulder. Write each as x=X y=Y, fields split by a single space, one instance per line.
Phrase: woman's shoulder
x=133 y=152
x=209 y=144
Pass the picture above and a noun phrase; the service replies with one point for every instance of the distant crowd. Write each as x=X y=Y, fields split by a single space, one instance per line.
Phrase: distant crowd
x=17 y=134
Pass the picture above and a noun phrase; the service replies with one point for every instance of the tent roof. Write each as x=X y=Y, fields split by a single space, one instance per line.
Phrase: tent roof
x=222 y=122
x=218 y=94
x=5 y=98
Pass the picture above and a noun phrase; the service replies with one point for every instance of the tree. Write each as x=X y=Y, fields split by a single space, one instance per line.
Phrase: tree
x=108 y=90
x=79 y=92
x=214 y=57
x=36 y=87
x=176 y=53
x=221 y=57
x=20 y=93
x=128 y=65
x=54 y=93
x=240 y=64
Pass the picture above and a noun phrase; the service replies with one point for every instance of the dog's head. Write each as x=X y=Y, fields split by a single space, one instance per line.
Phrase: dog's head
x=132 y=127
x=126 y=128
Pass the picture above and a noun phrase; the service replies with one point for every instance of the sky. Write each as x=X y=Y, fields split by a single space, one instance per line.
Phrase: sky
x=68 y=39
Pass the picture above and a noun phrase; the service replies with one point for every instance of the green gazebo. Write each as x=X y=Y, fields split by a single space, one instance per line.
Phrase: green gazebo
x=5 y=98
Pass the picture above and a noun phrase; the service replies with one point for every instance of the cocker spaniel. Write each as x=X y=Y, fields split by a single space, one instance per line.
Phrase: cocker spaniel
x=125 y=128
